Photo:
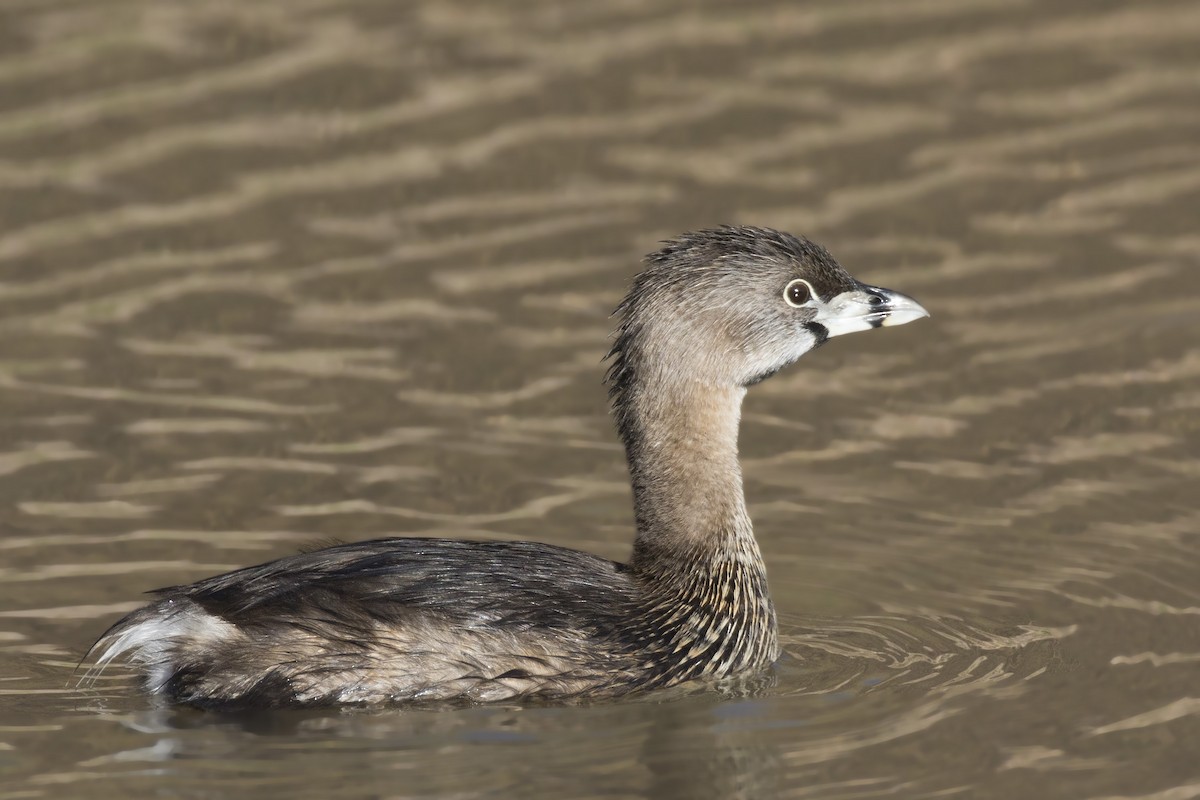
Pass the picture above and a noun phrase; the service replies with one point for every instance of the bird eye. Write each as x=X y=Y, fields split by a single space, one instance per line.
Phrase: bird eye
x=874 y=300
x=798 y=292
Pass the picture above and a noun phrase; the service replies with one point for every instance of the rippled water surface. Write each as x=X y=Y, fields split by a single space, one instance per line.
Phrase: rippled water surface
x=277 y=272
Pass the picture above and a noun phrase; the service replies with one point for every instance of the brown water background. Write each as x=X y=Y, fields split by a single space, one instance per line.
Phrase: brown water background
x=276 y=272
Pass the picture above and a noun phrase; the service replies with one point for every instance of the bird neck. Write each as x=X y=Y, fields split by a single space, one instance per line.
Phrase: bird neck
x=681 y=443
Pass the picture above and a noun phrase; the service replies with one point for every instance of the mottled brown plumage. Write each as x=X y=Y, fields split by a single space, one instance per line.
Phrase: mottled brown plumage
x=411 y=620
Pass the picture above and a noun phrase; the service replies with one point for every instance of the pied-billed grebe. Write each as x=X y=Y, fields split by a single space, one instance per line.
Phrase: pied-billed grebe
x=416 y=619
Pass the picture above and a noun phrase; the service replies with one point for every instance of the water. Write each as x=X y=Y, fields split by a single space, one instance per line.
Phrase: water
x=275 y=273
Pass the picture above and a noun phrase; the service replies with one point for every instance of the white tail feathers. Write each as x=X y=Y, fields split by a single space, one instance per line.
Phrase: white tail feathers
x=152 y=637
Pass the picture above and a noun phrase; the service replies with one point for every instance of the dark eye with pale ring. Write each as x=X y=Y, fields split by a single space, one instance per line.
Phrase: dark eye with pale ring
x=797 y=293
x=875 y=300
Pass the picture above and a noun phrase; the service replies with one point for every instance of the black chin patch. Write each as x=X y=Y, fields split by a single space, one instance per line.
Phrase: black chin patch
x=819 y=332
x=761 y=378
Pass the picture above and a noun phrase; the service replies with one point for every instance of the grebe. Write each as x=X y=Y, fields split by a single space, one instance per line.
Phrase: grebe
x=418 y=619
